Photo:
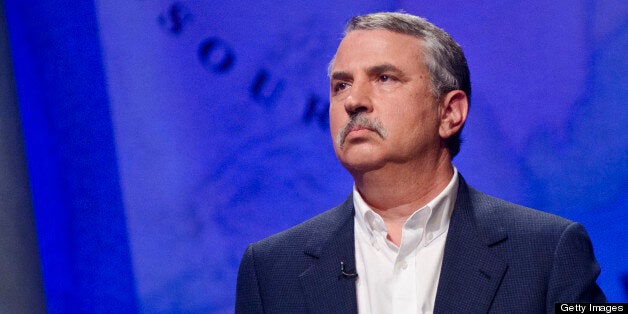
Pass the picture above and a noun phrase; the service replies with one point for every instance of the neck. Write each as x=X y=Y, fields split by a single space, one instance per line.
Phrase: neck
x=396 y=191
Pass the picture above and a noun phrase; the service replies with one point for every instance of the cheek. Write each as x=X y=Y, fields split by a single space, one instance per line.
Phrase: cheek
x=415 y=118
x=337 y=118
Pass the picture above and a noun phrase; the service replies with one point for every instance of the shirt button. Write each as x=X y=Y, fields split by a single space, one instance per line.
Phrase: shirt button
x=404 y=265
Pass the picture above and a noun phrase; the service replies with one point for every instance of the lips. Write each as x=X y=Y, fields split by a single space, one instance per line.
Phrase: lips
x=359 y=122
x=359 y=128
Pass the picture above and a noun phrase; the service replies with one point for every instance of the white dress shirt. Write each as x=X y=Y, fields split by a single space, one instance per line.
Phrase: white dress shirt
x=401 y=279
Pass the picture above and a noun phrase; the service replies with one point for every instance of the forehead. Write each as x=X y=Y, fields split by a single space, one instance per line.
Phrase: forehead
x=365 y=48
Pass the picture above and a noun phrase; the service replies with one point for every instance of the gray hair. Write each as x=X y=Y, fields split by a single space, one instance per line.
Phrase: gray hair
x=444 y=59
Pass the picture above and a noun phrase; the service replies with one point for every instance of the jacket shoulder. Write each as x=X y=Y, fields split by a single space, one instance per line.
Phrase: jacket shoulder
x=514 y=219
x=316 y=229
x=542 y=250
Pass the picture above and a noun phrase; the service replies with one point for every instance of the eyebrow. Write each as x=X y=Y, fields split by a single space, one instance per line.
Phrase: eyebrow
x=382 y=68
x=342 y=76
x=373 y=71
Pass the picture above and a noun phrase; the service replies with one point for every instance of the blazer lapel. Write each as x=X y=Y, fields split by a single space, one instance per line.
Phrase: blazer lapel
x=326 y=289
x=470 y=273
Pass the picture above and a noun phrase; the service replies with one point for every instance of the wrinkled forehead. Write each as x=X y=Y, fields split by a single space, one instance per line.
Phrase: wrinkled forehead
x=376 y=46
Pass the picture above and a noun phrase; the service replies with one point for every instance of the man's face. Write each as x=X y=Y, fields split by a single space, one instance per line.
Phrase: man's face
x=379 y=77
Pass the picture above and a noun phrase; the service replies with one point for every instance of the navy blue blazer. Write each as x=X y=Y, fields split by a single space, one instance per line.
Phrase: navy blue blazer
x=499 y=257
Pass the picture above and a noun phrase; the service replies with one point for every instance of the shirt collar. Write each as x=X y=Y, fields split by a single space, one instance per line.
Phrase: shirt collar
x=433 y=217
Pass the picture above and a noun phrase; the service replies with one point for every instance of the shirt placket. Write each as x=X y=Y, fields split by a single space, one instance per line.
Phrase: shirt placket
x=404 y=275
x=404 y=286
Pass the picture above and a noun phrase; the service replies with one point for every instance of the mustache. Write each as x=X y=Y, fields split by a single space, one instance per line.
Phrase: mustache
x=360 y=120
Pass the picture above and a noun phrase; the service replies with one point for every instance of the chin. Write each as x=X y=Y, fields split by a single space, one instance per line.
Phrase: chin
x=360 y=165
x=360 y=156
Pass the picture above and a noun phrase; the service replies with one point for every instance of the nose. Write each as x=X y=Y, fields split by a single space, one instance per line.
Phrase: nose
x=359 y=98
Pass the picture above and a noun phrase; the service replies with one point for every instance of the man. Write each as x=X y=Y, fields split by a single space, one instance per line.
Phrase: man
x=413 y=237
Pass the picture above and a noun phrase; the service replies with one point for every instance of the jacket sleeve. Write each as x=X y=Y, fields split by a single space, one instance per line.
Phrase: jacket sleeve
x=248 y=299
x=574 y=271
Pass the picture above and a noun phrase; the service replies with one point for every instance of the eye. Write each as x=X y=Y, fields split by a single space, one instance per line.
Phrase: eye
x=386 y=78
x=340 y=86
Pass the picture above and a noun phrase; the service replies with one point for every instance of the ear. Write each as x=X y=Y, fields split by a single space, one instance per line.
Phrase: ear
x=454 y=108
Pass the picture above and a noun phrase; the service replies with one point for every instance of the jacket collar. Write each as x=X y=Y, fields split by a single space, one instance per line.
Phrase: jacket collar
x=326 y=289
x=471 y=273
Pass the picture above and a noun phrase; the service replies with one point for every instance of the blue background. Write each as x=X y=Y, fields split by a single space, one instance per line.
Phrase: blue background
x=162 y=137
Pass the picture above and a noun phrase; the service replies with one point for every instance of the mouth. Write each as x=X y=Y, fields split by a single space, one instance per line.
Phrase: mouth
x=360 y=123
x=359 y=128
x=354 y=130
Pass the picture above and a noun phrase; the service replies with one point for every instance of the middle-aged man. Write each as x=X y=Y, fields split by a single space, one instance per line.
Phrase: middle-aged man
x=413 y=237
